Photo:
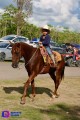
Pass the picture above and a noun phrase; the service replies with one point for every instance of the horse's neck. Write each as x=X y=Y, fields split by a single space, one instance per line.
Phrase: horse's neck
x=27 y=51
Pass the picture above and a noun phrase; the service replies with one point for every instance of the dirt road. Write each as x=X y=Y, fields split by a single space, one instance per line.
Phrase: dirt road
x=7 y=72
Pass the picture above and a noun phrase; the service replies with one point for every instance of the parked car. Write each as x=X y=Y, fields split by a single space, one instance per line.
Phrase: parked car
x=76 y=46
x=53 y=44
x=5 y=51
x=14 y=38
x=59 y=49
x=34 y=44
x=63 y=45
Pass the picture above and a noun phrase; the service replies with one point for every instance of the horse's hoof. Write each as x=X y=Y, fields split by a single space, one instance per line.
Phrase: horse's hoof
x=53 y=96
x=56 y=96
x=22 y=102
x=32 y=97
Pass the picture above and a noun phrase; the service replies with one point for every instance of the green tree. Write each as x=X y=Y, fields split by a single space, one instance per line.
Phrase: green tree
x=22 y=6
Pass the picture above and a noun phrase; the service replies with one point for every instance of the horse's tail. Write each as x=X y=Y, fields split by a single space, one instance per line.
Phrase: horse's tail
x=62 y=73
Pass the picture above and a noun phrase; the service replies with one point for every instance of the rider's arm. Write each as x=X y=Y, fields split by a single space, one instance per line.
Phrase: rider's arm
x=46 y=40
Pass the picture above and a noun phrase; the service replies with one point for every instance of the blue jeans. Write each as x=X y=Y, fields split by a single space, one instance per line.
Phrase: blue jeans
x=50 y=53
x=74 y=57
x=48 y=50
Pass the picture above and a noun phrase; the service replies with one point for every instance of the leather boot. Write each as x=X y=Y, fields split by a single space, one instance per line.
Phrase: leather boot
x=53 y=59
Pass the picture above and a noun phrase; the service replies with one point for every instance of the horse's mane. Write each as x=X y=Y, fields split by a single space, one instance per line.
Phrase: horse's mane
x=26 y=45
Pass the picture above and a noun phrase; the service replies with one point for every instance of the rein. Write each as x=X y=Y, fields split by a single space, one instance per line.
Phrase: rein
x=31 y=57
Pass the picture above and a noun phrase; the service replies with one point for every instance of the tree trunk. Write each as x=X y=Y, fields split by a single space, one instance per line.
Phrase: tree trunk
x=18 y=30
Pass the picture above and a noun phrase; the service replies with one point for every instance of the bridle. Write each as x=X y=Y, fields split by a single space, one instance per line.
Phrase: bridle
x=31 y=58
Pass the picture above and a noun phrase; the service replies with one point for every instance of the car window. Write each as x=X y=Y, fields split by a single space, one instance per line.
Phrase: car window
x=16 y=39
x=8 y=38
x=10 y=46
x=22 y=39
x=53 y=44
x=3 y=45
x=61 y=51
x=19 y=39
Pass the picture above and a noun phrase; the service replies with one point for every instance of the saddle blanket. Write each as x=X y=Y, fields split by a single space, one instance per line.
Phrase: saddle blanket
x=47 y=58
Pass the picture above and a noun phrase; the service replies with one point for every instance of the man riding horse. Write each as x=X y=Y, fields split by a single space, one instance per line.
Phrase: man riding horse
x=45 y=41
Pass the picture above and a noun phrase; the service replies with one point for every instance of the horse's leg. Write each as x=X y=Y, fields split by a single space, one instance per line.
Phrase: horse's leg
x=33 y=88
x=32 y=85
x=31 y=77
x=59 y=75
x=57 y=79
x=57 y=83
x=52 y=74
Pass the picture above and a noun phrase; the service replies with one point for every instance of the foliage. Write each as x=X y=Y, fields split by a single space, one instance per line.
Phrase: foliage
x=12 y=21
x=31 y=31
x=65 y=36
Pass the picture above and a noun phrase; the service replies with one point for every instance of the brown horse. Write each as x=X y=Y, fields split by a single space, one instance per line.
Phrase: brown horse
x=34 y=65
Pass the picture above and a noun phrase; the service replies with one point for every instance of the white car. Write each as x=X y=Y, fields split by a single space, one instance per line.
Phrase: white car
x=5 y=51
x=14 y=38
x=33 y=44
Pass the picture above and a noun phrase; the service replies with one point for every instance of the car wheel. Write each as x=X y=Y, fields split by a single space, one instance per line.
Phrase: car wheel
x=2 y=56
x=70 y=62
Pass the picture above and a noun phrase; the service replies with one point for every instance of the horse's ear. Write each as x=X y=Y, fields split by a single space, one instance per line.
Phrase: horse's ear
x=11 y=43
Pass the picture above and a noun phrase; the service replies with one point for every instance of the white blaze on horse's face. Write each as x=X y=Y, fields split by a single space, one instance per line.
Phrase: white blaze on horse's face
x=16 y=55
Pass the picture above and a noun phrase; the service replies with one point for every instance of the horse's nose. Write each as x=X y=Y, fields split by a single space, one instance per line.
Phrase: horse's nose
x=14 y=65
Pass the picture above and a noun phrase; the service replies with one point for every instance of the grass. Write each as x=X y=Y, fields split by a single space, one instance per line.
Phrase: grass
x=63 y=112
x=66 y=107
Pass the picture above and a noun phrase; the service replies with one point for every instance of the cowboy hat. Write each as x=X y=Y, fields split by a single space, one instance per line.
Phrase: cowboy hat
x=46 y=28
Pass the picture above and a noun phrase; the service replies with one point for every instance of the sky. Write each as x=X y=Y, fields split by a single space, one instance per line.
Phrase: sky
x=58 y=13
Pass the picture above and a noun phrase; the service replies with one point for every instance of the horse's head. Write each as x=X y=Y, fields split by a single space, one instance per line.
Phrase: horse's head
x=16 y=54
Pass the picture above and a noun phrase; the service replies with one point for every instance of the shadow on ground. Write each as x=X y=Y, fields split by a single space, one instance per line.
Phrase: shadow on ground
x=39 y=90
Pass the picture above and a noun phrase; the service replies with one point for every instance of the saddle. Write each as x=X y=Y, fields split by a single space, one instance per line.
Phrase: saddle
x=47 y=58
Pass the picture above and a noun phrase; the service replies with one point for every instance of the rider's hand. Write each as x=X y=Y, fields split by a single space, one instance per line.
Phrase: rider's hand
x=40 y=42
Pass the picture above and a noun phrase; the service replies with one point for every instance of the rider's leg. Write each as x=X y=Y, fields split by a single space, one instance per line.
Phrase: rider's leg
x=74 y=58
x=50 y=53
x=52 y=57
